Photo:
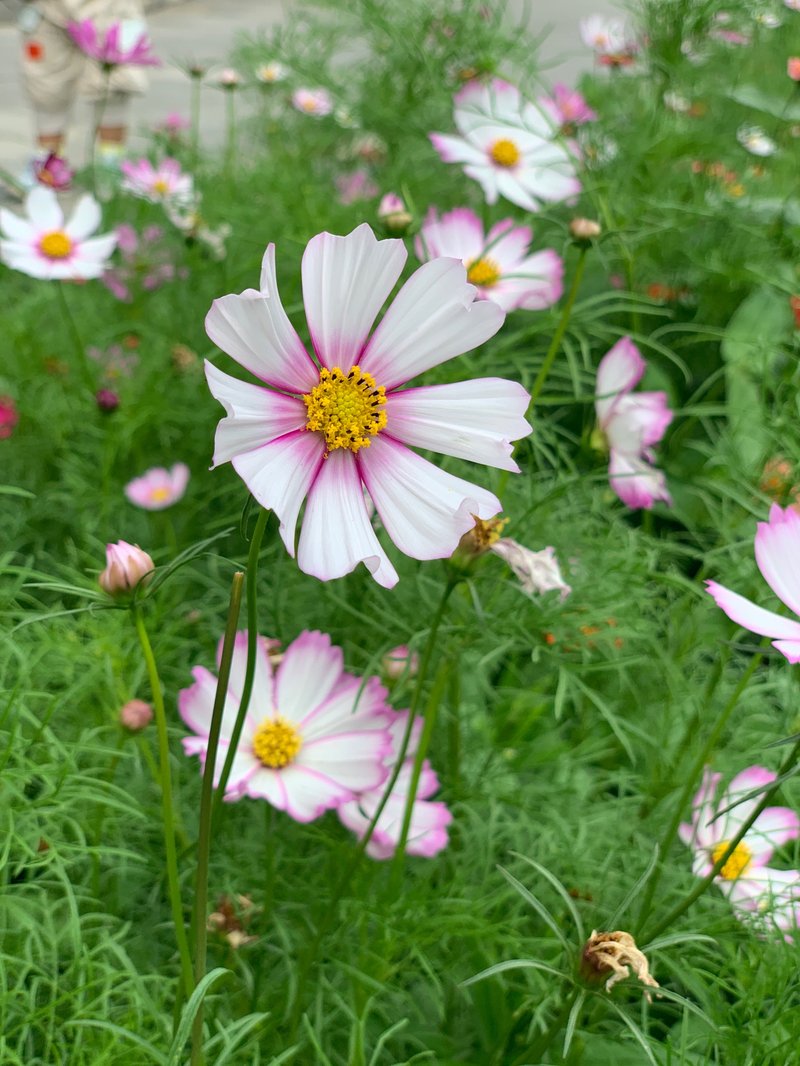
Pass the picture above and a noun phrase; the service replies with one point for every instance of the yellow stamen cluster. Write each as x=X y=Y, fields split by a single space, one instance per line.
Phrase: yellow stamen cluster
x=346 y=408
x=161 y=186
x=56 y=245
x=737 y=862
x=276 y=743
x=505 y=153
x=158 y=495
x=483 y=272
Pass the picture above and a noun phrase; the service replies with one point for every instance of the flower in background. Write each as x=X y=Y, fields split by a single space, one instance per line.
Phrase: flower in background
x=124 y=42
x=358 y=185
x=509 y=146
x=271 y=73
x=195 y=228
x=115 y=362
x=631 y=424
x=567 y=107
x=498 y=263
x=777 y=548
x=228 y=78
x=400 y=662
x=427 y=834
x=54 y=172
x=9 y=417
x=126 y=567
x=793 y=67
x=107 y=401
x=793 y=5
x=135 y=715
x=146 y=263
x=162 y=184
x=44 y=245
x=675 y=102
x=745 y=878
x=768 y=19
x=609 y=39
x=313 y=735
x=369 y=147
x=537 y=571
x=394 y=214
x=158 y=488
x=721 y=30
x=316 y=102
x=317 y=431
x=755 y=140
x=174 y=125
x=794 y=304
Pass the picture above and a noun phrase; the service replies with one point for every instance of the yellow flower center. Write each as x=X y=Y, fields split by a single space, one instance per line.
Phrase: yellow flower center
x=738 y=860
x=276 y=743
x=160 y=494
x=483 y=272
x=56 y=245
x=505 y=153
x=346 y=409
x=161 y=186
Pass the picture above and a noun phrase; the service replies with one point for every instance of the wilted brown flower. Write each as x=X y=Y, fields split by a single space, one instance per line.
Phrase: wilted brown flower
x=611 y=954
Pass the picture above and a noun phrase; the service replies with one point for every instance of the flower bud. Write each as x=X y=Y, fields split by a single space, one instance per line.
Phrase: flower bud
x=584 y=230
x=394 y=214
x=106 y=400
x=9 y=417
x=793 y=67
x=126 y=566
x=399 y=662
x=135 y=715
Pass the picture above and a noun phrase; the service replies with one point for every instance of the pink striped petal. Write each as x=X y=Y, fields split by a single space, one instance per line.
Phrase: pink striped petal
x=423 y=509
x=777 y=549
x=456 y=149
x=307 y=675
x=457 y=234
x=353 y=759
x=433 y=318
x=261 y=699
x=619 y=371
x=352 y=703
x=309 y=793
x=636 y=482
x=346 y=281
x=533 y=285
x=749 y=616
x=475 y=420
x=337 y=534
x=196 y=703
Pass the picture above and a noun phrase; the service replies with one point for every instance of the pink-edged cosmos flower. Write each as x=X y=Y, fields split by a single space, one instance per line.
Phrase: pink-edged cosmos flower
x=429 y=819
x=123 y=42
x=313 y=736
x=317 y=102
x=609 y=39
x=777 y=549
x=162 y=184
x=631 y=424
x=158 y=488
x=745 y=878
x=567 y=107
x=498 y=263
x=341 y=421
x=44 y=245
x=509 y=146
x=357 y=185
x=53 y=171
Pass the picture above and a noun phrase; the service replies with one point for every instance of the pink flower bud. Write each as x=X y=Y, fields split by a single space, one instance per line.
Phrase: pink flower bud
x=135 y=715
x=107 y=400
x=400 y=661
x=793 y=67
x=126 y=566
x=9 y=417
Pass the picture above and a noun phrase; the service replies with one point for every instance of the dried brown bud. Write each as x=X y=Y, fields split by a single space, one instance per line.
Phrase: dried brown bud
x=610 y=955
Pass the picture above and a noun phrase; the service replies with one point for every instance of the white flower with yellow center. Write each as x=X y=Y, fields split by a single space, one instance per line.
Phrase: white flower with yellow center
x=45 y=245
x=313 y=736
x=510 y=146
x=330 y=425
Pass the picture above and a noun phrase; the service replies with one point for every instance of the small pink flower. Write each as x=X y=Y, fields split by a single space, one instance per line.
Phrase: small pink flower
x=567 y=107
x=107 y=400
x=126 y=566
x=124 y=42
x=609 y=39
x=54 y=172
x=9 y=417
x=313 y=735
x=429 y=820
x=174 y=124
x=777 y=547
x=271 y=73
x=158 y=488
x=228 y=78
x=745 y=878
x=357 y=185
x=146 y=263
x=317 y=102
x=162 y=184
x=135 y=715
x=537 y=571
x=793 y=67
x=400 y=662
x=498 y=263
x=391 y=204
x=631 y=423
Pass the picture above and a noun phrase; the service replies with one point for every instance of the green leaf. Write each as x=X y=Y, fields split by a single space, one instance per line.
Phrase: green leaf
x=777 y=106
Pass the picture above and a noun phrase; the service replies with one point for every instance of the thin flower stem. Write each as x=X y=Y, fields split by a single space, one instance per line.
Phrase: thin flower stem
x=195 y=109
x=206 y=799
x=77 y=343
x=187 y=981
x=230 y=151
x=539 y=1047
x=561 y=329
x=250 y=670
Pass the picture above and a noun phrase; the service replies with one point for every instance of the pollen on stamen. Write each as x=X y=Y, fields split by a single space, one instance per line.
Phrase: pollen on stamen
x=346 y=408
x=737 y=862
x=56 y=245
x=276 y=743
x=505 y=153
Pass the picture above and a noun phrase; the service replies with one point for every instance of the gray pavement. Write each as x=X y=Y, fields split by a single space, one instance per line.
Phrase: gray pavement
x=205 y=29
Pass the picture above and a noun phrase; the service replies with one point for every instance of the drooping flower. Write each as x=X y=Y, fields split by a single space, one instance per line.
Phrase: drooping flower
x=9 y=417
x=317 y=102
x=429 y=819
x=357 y=185
x=158 y=488
x=567 y=107
x=609 y=39
x=498 y=263
x=777 y=547
x=53 y=171
x=44 y=245
x=162 y=184
x=270 y=73
x=611 y=956
x=126 y=566
x=123 y=42
x=745 y=878
x=343 y=422
x=313 y=735
x=537 y=571
x=509 y=146
x=631 y=424
x=146 y=263
x=756 y=141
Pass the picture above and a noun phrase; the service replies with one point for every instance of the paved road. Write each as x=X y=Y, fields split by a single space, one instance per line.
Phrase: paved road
x=206 y=29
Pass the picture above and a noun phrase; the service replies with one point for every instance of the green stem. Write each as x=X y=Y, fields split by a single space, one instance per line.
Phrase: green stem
x=173 y=881
x=250 y=670
x=539 y=1047
x=561 y=329
x=230 y=150
x=788 y=764
x=195 y=109
x=206 y=798
x=80 y=351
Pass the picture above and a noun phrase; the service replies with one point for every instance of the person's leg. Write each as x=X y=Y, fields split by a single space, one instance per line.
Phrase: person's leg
x=51 y=70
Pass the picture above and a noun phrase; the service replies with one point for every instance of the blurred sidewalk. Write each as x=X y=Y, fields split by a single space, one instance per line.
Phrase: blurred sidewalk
x=205 y=29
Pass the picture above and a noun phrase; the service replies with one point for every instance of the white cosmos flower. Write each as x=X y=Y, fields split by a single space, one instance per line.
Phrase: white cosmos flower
x=755 y=140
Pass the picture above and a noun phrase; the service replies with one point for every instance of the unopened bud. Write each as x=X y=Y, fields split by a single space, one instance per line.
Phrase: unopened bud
x=107 y=400
x=126 y=566
x=135 y=715
x=400 y=662
x=584 y=230
x=394 y=214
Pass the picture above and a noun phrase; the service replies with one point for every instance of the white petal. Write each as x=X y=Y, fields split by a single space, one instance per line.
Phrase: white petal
x=85 y=218
x=43 y=209
x=777 y=549
x=307 y=675
x=620 y=369
x=18 y=229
